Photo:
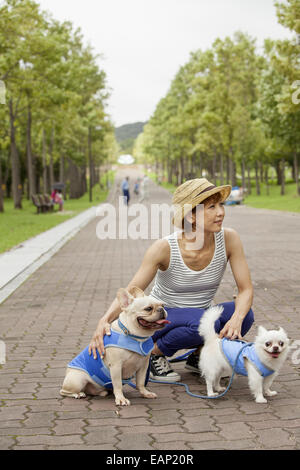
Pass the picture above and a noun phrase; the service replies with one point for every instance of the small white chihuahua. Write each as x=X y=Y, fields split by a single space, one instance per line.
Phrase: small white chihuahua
x=260 y=360
x=128 y=349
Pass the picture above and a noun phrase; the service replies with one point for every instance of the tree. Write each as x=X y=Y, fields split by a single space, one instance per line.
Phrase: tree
x=51 y=80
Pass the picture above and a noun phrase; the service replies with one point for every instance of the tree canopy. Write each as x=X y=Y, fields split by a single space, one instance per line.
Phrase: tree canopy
x=230 y=111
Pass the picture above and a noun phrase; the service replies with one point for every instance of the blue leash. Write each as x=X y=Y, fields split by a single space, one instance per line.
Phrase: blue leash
x=181 y=358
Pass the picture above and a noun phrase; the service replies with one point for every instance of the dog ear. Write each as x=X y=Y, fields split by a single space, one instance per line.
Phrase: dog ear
x=261 y=330
x=282 y=331
x=124 y=298
x=136 y=292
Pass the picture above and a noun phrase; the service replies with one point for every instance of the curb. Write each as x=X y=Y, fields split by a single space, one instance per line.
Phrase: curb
x=19 y=263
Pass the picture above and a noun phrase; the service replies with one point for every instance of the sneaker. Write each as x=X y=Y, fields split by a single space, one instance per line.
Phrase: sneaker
x=192 y=363
x=161 y=370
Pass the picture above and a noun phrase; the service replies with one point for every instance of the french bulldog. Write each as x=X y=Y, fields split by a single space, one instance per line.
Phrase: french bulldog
x=140 y=317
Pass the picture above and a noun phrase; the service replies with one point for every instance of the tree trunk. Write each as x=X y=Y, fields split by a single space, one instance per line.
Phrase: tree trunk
x=1 y=190
x=75 y=180
x=214 y=168
x=296 y=173
x=249 y=180
x=90 y=164
x=233 y=173
x=182 y=170
x=261 y=168
x=83 y=181
x=282 y=190
x=177 y=171
x=267 y=180
x=193 y=165
x=200 y=164
x=51 y=170
x=30 y=169
x=221 y=169
x=257 y=179
x=169 y=170
x=44 y=162
x=156 y=170
x=243 y=173
x=15 y=161
x=62 y=172
x=278 y=172
x=227 y=170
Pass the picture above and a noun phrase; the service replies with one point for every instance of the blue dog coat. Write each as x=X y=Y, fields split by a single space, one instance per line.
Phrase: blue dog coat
x=231 y=349
x=96 y=368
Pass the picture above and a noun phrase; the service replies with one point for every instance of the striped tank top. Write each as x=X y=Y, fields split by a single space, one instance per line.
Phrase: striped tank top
x=180 y=286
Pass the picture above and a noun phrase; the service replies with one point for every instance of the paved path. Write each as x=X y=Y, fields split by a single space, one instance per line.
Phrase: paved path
x=52 y=316
x=17 y=264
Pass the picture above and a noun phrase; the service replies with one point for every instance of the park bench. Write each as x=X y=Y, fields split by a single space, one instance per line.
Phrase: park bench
x=43 y=203
x=47 y=202
x=36 y=203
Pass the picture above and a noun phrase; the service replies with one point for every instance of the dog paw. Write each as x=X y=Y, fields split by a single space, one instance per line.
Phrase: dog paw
x=261 y=400
x=271 y=393
x=221 y=389
x=79 y=395
x=149 y=394
x=122 y=401
x=212 y=394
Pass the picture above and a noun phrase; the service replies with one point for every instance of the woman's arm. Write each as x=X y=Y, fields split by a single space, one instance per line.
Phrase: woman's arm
x=156 y=257
x=241 y=274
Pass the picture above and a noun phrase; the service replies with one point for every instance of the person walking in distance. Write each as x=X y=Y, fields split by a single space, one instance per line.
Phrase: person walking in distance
x=125 y=190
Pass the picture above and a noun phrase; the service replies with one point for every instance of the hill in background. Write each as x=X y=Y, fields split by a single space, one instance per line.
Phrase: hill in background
x=126 y=135
x=129 y=131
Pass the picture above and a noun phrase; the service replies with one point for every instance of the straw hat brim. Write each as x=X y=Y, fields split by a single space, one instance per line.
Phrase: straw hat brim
x=182 y=210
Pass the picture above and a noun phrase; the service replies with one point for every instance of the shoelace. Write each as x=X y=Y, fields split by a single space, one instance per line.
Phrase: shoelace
x=162 y=364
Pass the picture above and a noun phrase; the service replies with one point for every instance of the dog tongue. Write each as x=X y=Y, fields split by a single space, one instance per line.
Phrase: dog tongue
x=275 y=354
x=163 y=322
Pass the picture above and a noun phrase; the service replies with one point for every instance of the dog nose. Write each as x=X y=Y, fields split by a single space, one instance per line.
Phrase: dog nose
x=275 y=348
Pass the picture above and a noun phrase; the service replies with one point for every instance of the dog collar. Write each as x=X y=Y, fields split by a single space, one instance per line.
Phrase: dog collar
x=127 y=332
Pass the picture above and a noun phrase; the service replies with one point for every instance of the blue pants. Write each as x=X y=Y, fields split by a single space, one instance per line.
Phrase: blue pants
x=126 y=195
x=182 y=333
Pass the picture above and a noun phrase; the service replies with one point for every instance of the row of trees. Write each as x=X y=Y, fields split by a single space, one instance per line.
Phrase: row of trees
x=54 y=126
x=230 y=111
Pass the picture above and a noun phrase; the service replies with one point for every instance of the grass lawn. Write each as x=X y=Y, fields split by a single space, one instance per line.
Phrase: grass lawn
x=16 y=226
x=290 y=202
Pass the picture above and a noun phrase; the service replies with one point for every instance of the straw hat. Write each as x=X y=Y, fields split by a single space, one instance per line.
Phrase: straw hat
x=193 y=192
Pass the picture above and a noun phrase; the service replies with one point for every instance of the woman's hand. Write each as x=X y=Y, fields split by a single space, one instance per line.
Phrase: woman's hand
x=232 y=329
x=97 y=341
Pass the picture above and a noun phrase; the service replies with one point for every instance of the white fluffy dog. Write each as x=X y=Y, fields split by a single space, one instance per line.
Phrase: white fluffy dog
x=260 y=360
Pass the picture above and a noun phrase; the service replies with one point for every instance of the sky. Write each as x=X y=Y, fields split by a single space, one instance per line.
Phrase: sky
x=143 y=43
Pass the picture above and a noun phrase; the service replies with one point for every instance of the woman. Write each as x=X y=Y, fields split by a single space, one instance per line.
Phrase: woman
x=187 y=277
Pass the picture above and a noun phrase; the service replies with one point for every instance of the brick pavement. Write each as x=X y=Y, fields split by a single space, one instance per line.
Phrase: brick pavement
x=52 y=316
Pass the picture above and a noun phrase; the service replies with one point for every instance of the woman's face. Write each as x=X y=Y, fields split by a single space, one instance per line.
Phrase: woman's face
x=212 y=213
